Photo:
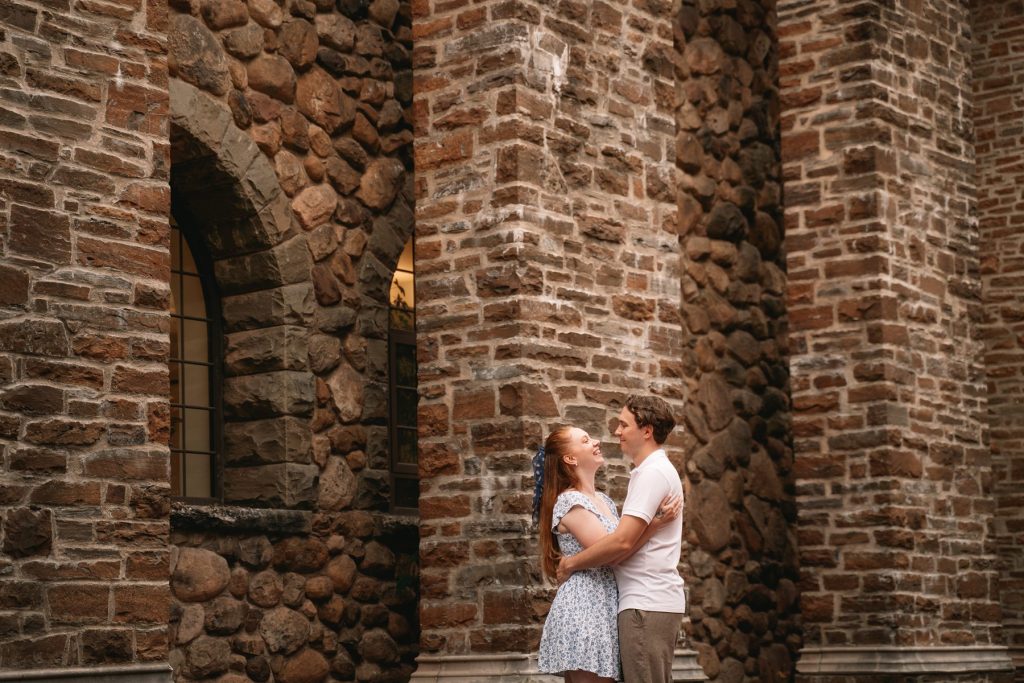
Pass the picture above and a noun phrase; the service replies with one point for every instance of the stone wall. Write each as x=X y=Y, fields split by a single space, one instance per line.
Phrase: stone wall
x=895 y=491
x=286 y=606
x=292 y=144
x=291 y=149
x=998 y=115
x=547 y=275
x=83 y=335
x=740 y=513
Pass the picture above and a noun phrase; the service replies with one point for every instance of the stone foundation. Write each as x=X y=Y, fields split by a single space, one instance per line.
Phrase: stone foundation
x=338 y=596
x=139 y=673
x=520 y=668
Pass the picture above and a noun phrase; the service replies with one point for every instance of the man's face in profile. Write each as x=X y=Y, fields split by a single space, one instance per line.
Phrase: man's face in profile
x=630 y=436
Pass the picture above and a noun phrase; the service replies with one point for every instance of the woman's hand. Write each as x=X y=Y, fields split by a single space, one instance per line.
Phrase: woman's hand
x=669 y=509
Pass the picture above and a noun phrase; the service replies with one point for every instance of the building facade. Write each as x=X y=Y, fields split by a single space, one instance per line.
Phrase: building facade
x=244 y=438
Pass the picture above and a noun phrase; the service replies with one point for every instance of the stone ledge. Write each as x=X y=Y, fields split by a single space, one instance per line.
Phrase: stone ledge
x=902 y=660
x=1017 y=655
x=238 y=520
x=520 y=668
x=129 y=673
x=499 y=668
x=389 y=522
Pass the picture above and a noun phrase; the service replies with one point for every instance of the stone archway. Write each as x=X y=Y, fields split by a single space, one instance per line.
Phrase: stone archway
x=222 y=181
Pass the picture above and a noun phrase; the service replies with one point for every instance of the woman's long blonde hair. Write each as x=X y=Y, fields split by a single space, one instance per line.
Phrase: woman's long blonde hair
x=558 y=476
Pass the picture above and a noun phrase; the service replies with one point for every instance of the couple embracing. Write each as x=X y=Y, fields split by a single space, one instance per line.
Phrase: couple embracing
x=620 y=597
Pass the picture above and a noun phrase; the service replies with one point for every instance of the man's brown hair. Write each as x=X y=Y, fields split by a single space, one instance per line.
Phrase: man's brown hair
x=653 y=412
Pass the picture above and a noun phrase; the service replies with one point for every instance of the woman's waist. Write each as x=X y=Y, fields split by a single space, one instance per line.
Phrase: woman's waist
x=593 y=573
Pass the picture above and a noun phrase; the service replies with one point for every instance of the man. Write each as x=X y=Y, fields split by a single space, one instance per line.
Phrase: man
x=651 y=597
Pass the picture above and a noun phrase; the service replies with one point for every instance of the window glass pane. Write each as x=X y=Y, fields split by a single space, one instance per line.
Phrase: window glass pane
x=176 y=474
x=407 y=446
x=197 y=475
x=402 y=294
x=406 y=492
x=192 y=302
x=175 y=246
x=197 y=432
x=405 y=365
x=176 y=429
x=190 y=378
x=405 y=260
x=402 y=377
x=175 y=373
x=403 y=320
x=188 y=264
x=406 y=408
x=197 y=385
x=175 y=293
x=175 y=338
x=196 y=341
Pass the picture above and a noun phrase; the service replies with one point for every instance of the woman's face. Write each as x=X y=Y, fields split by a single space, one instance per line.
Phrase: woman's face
x=584 y=451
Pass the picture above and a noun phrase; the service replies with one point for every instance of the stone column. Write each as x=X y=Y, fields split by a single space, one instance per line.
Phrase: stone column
x=740 y=512
x=84 y=271
x=547 y=286
x=999 y=112
x=895 y=476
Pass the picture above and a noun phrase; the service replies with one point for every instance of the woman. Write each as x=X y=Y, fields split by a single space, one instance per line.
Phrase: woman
x=580 y=636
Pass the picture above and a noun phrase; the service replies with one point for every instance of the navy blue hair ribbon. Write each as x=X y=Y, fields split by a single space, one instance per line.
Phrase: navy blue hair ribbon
x=538 y=481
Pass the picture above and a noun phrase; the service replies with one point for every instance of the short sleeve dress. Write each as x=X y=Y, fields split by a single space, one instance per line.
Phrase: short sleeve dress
x=581 y=630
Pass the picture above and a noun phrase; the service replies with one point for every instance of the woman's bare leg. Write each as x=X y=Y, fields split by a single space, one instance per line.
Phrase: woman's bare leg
x=586 y=677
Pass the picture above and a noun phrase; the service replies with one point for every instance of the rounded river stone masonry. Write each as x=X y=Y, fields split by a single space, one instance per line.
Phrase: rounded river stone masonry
x=322 y=92
x=295 y=609
x=742 y=572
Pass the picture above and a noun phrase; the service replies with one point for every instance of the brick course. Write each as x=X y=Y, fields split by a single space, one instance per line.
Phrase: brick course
x=998 y=112
x=884 y=303
x=547 y=272
x=83 y=240
x=601 y=197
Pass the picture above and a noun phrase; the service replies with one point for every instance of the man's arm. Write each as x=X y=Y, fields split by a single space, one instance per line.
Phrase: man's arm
x=606 y=550
x=667 y=512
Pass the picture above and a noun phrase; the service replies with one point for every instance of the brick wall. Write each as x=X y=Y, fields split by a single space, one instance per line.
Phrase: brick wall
x=895 y=490
x=998 y=115
x=289 y=148
x=547 y=273
x=83 y=335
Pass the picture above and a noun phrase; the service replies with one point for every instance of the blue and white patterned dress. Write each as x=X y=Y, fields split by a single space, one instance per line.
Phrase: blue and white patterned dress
x=581 y=631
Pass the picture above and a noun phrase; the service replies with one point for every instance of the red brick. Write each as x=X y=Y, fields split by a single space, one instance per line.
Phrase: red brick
x=142 y=604
x=123 y=257
x=132 y=380
x=66 y=493
x=80 y=603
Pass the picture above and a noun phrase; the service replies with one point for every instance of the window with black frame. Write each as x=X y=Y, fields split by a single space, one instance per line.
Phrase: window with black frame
x=402 y=435
x=193 y=374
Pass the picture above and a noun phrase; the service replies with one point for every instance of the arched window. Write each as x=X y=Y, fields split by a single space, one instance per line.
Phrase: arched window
x=194 y=369
x=402 y=435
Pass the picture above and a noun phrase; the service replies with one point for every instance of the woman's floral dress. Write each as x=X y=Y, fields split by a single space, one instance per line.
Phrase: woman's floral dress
x=581 y=630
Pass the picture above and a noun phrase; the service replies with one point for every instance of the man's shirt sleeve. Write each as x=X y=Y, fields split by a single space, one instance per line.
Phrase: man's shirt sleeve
x=646 y=492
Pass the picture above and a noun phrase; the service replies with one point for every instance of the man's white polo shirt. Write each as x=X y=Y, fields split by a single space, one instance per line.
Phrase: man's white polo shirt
x=650 y=580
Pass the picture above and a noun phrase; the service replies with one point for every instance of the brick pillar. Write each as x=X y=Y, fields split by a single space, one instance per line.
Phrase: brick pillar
x=547 y=286
x=895 y=476
x=84 y=295
x=999 y=115
x=740 y=513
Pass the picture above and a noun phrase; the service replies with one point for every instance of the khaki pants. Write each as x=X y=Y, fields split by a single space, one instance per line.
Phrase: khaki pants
x=647 y=643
